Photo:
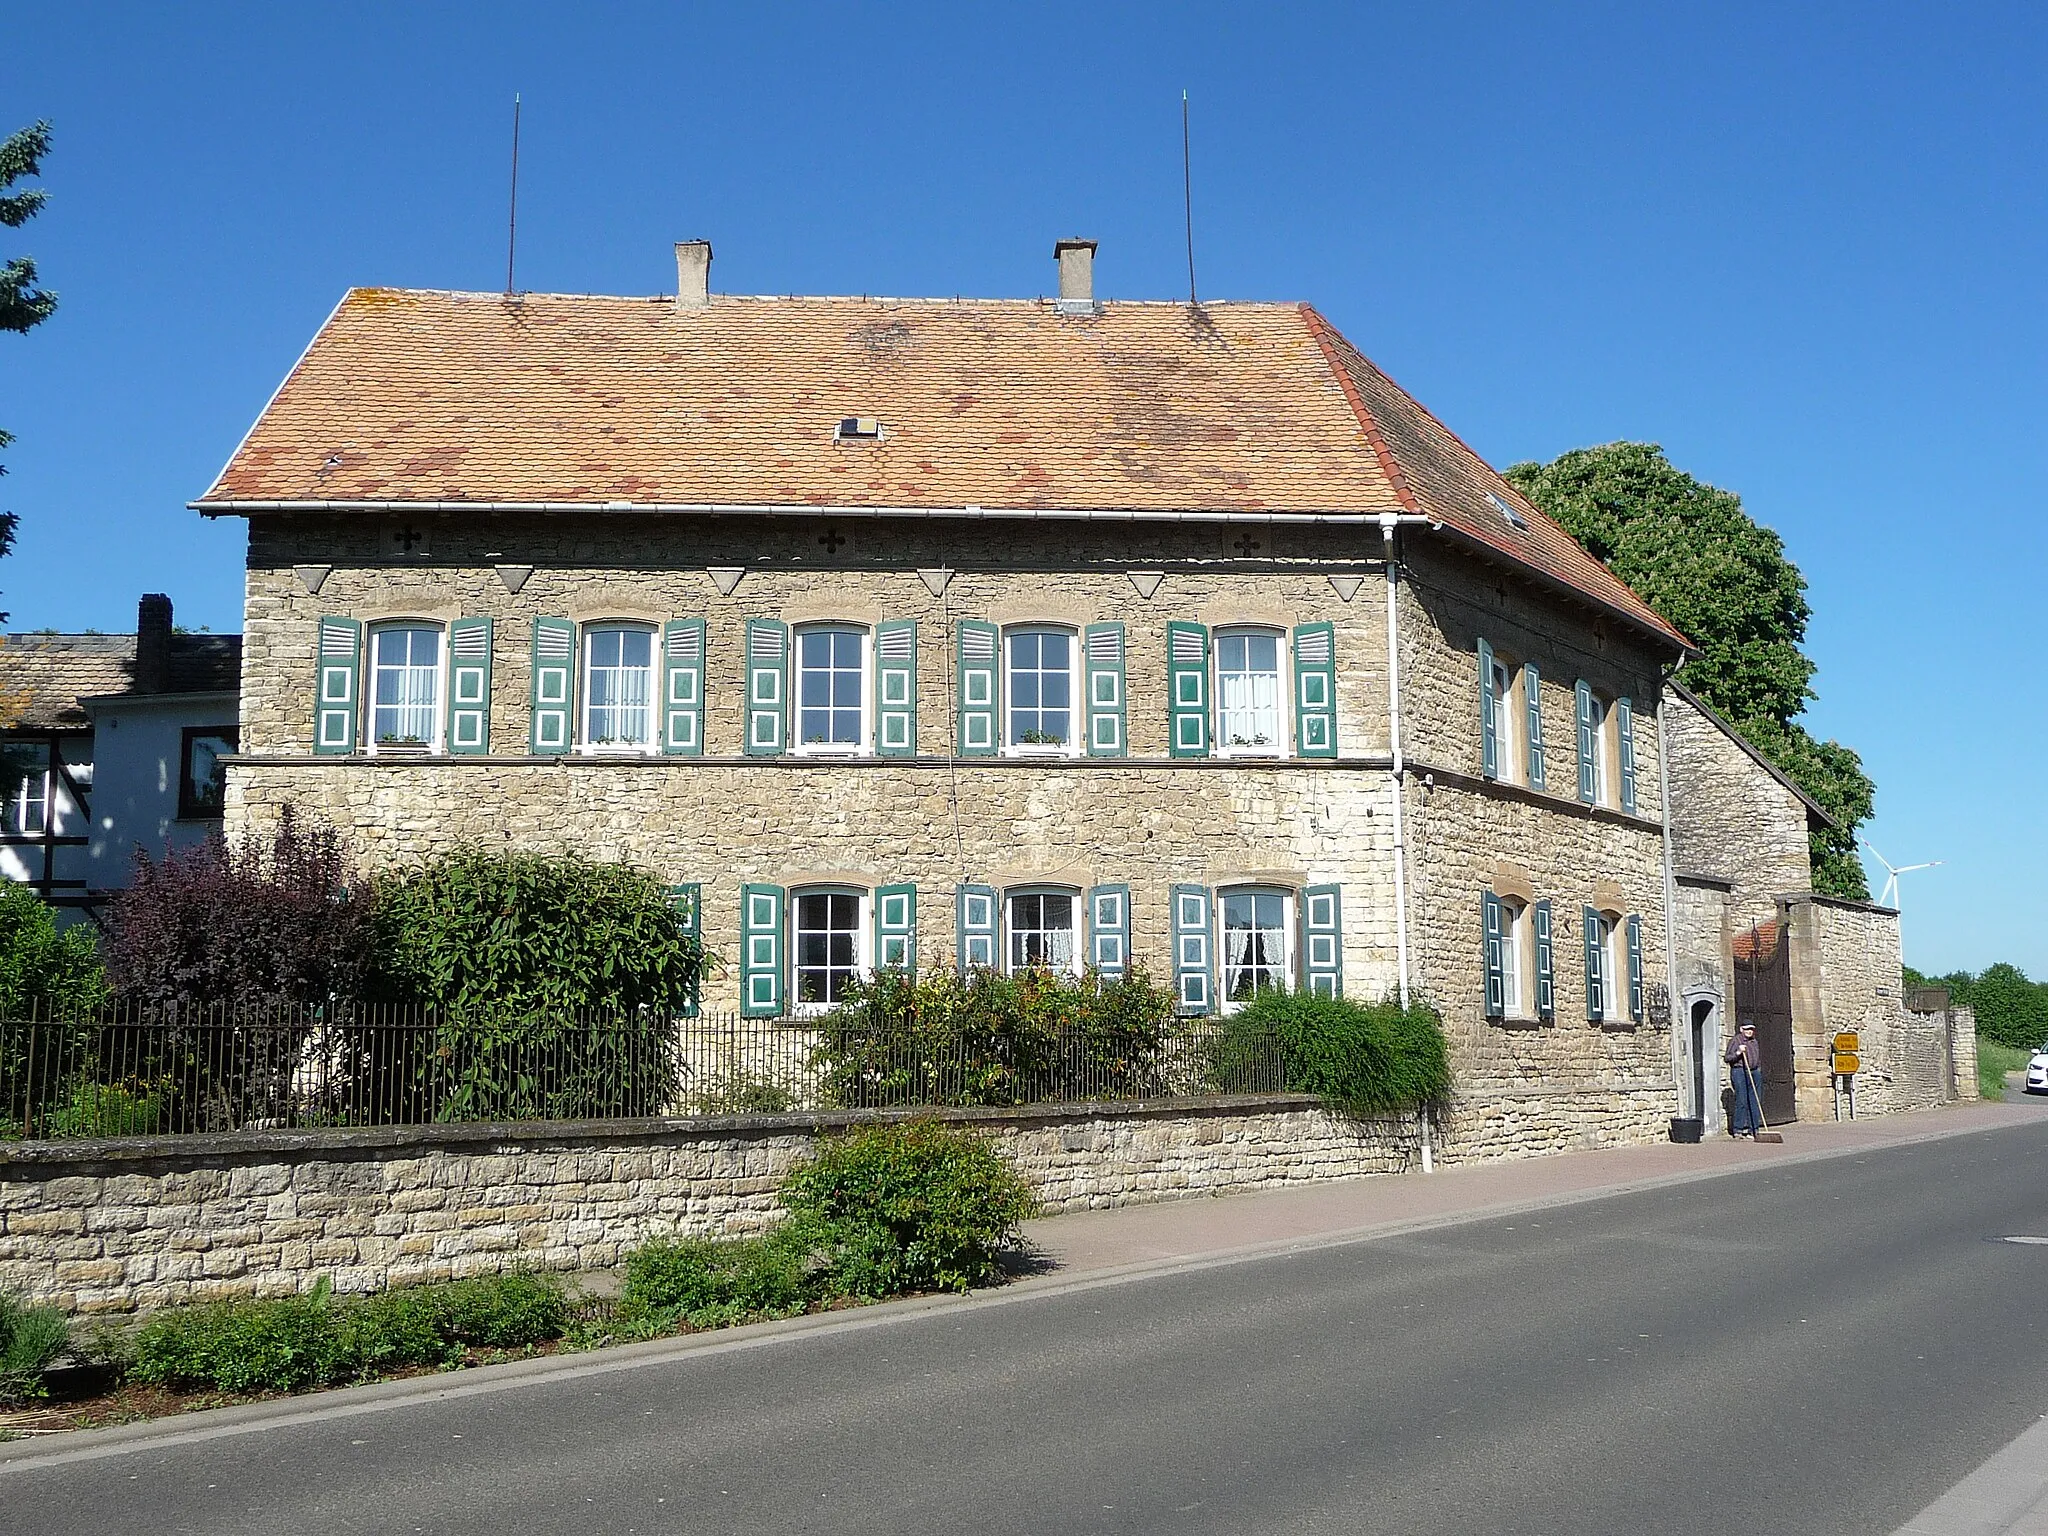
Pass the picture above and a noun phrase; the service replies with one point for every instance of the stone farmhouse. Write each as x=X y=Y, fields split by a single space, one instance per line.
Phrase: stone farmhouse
x=1064 y=632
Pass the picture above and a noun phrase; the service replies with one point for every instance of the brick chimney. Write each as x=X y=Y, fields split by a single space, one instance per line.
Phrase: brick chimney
x=153 y=644
x=1077 y=276
x=693 y=274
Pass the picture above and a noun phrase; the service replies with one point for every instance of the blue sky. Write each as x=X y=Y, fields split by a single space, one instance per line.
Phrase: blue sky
x=1804 y=248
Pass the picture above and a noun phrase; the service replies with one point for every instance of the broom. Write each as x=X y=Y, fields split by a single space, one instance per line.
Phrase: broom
x=1757 y=1098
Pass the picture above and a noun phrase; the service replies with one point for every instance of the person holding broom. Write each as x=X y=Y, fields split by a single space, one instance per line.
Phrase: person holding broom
x=1745 y=1062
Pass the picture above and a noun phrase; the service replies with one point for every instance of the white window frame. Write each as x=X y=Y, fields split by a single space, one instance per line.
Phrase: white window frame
x=1613 y=949
x=1517 y=951
x=1502 y=688
x=1076 y=712
x=864 y=745
x=1605 y=775
x=587 y=633
x=437 y=709
x=1289 y=931
x=1074 y=930
x=1283 y=691
x=863 y=940
x=14 y=821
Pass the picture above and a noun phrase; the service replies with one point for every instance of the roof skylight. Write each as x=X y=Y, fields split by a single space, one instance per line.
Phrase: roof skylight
x=859 y=429
x=1507 y=510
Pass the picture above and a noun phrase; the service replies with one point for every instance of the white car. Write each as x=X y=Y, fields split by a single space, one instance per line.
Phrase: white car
x=2037 y=1071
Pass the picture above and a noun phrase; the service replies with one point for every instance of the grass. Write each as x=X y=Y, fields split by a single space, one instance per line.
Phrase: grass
x=1993 y=1062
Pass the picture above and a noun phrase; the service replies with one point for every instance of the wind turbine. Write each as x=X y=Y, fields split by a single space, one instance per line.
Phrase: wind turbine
x=1890 y=898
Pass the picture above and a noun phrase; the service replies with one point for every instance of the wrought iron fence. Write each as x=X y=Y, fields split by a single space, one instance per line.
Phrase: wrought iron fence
x=177 y=1071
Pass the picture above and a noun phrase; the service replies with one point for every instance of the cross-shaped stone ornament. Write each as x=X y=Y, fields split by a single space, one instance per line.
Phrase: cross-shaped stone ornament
x=1247 y=545
x=831 y=538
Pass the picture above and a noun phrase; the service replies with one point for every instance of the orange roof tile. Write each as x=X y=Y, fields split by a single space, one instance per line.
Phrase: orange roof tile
x=1250 y=410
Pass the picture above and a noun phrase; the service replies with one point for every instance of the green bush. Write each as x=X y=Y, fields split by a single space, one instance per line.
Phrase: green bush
x=298 y=1342
x=708 y=1283
x=1365 y=1059
x=988 y=1038
x=916 y=1207
x=107 y=1109
x=556 y=979
x=40 y=967
x=30 y=1339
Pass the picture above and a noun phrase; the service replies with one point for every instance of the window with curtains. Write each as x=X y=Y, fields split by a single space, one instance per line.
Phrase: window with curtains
x=828 y=943
x=831 y=690
x=25 y=780
x=1249 y=717
x=1039 y=691
x=1603 y=751
x=405 y=688
x=1041 y=930
x=1258 y=941
x=618 y=687
x=1501 y=692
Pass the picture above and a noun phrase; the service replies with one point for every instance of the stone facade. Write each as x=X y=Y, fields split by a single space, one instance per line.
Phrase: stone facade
x=110 y=1227
x=1149 y=820
x=1731 y=816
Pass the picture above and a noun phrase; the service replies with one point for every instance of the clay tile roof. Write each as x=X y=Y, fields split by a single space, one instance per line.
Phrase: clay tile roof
x=1760 y=942
x=44 y=678
x=412 y=396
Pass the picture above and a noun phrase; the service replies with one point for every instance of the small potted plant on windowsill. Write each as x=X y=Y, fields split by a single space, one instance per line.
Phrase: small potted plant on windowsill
x=393 y=744
x=1041 y=744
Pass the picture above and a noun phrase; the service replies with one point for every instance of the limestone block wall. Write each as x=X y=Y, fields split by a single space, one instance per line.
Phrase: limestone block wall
x=1702 y=994
x=1450 y=604
x=1730 y=817
x=654 y=569
x=111 y=1226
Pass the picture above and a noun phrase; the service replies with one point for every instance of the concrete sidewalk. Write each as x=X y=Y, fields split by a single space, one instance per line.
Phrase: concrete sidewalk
x=1206 y=1227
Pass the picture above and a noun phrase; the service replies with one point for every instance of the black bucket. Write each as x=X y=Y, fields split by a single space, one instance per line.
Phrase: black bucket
x=1687 y=1132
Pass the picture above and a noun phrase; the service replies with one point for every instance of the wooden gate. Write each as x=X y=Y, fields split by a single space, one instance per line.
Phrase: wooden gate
x=1763 y=997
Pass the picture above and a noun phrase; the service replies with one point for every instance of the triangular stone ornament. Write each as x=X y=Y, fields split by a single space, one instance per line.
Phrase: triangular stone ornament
x=313 y=577
x=1147 y=582
x=1347 y=586
x=936 y=579
x=725 y=577
x=514 y=576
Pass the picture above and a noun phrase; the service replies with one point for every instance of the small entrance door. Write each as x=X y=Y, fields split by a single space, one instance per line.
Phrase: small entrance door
x=1763 y=997
x=1702 y=1042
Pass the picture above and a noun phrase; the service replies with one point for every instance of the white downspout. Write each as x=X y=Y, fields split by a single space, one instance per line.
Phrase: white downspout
x=1681 y=1024
x=1388 y=523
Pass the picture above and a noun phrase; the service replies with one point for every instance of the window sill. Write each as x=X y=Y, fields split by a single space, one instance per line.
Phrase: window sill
x=819 y=749
x=1052 y=754
x=634 y=751
x=1516 y=1022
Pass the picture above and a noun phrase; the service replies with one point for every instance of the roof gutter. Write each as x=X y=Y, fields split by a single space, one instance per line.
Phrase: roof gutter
x=239 y=508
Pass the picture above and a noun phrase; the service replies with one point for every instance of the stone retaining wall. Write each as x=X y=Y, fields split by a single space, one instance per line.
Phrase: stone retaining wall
x=119 y=1226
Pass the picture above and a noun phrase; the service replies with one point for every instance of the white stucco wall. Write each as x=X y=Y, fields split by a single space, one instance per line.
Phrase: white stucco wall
x=136 y=747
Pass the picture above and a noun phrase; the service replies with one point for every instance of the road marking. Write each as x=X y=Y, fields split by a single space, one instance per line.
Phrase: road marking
x=2006 y=1496
x=2039 y=1242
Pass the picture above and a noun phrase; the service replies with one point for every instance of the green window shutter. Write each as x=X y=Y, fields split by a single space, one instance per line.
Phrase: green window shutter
x=1589 y=740
x=1489 y=736
x=1635 y=969
x=980 y=645
x=1194 y=969
x=1532 y=698
x=1546 y=965
x=688 y=902
x=469 y=687
x=896 y=928
x=1596 y=977
x=1625 y=742
x=682 y=688
x=554 y=686
x=1322 y=924
x=896 y=688
x=1492 y=924
x=1109 y=931
x=974 y=927
x=337 y=687
x=1315 y=690
x=761 y=950
x=1187 y=689
x=1102 y=648
x=767 y=686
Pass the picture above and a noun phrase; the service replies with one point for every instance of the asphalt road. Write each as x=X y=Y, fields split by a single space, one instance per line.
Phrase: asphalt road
x=1821 y=1347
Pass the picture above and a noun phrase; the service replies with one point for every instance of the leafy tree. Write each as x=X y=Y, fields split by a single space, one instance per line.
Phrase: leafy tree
x=1691 y=552
x=23 y=305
